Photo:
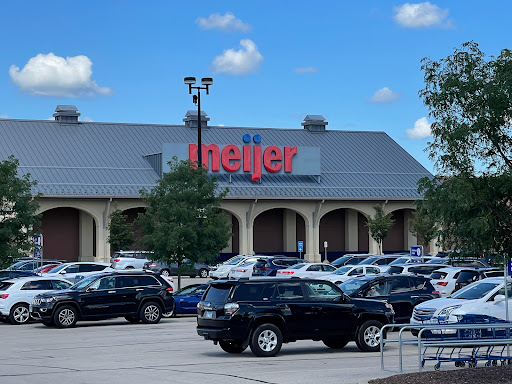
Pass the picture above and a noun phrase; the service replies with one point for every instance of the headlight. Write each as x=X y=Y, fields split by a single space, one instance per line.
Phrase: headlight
x=445 y=312
x=221 y=269
x=48 y=299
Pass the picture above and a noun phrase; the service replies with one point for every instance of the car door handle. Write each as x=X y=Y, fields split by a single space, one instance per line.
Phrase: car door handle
x=285 y=306
x=111 y=291
x=139 y=289
x=415 y=297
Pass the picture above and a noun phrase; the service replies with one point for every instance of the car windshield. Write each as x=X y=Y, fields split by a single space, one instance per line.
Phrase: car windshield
x=475 y=291
x=16 y=265
x=235 y=261
x=352 y=285
x=59 y=268
x=368 y=260
x=436 y=275
x=188 y=290
x=83 y=283
x=400 y=260
x=342 y=270
x=341 y=260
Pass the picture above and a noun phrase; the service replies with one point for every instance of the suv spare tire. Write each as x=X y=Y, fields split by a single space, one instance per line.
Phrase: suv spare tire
x=266 y=340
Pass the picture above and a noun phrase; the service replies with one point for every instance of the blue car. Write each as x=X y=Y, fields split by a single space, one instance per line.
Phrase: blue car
x=186 y=299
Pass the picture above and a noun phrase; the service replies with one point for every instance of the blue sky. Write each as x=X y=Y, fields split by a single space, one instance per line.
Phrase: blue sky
x=355 y=62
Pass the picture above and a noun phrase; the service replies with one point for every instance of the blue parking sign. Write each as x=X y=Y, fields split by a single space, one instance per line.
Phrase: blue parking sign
x=300 y=246
x=417 y=250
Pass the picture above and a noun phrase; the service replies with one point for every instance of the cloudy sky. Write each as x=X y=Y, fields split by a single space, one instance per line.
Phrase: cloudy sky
x=355 y=62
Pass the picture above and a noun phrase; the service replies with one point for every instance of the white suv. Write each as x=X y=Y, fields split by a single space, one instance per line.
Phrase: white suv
x=130 y=259
x=222 y=271
x=444 y=279
x=74 y=272
x=16 y=295
x=484 y=297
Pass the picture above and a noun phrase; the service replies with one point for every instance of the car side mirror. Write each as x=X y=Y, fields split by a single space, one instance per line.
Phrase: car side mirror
x=91 y=289
x=499 y=298
x=62 y=272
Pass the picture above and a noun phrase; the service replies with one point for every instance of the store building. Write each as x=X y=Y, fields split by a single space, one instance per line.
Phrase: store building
x=308 y=183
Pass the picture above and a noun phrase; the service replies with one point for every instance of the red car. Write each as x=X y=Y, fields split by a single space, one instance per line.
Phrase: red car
x=45 y=268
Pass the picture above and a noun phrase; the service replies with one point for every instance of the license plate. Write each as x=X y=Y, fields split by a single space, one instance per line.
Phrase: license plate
x=209 y=315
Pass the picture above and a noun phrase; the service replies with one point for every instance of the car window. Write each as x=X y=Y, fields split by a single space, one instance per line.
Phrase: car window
x=289 y=291
x=418 y=283
x=245 y=292
x=60 y=284
x=356 y=271
x=136 y=281
x=468 y=276
x=72 y=269
x=395 y=269
x=42 y=285
x=400 y=285
x=354 y=261
x=322 y=292
x=379 y=289
x=328 y=268
x=372 y=270
x=314 y=268
x=4 y=286
x=108 y=282
x=91 y=267
x=436 y=275
x=218 y=293
x=382 y=261
x=474 y=291
x=493 y=273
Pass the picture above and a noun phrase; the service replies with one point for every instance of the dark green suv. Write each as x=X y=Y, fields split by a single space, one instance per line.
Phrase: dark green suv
x=265 y=313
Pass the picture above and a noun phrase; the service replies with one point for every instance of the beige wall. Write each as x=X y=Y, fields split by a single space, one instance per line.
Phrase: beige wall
x=245 y=212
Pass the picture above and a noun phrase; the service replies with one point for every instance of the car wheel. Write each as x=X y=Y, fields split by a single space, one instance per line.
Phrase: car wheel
x=266 y=340
x=336 y=343
x=165 y=272
x=368 y=336
x=150 y=313
x=65 y=317
x=19 y=314
x=203 y=273
x=231 y=347
x=132 y=319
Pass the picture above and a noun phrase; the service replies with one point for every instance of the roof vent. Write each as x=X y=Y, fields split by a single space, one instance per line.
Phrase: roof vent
x=191 y=119
x=314 y=123
x=66 y=114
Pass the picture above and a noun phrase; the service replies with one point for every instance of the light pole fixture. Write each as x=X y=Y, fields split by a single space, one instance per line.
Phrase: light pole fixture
x=206 y=81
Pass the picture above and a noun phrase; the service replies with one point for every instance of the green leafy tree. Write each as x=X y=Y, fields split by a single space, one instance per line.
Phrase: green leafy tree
x=423 y=226
x=18 y=219
x=183 y=218
x=469 y=97
x=379 y=225
x=120 y=231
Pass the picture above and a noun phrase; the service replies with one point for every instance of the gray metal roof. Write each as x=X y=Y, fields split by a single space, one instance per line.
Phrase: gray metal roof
x=107 y=159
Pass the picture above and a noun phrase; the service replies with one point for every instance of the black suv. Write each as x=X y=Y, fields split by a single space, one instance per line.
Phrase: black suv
x=138 y=296
x=263 y=313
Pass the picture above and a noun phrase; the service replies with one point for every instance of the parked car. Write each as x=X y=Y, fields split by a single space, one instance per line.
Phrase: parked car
x=30 y=265
x=423 y=269
x=483 y=297
x=134 y=295
x=350 y=259
x=347 y=272
x=222 y=271
x=456 y=262
x=6 y=274
x=186 y=299
x=244 y=270
x=445 y=279
x=264 y=313
x=45 y=269
x=381 y=261
x=130 y=259
x=269 y=266
x=306 y=270
x=79 y=270
x=403 y=292
x=188 y=268
x=16 y=295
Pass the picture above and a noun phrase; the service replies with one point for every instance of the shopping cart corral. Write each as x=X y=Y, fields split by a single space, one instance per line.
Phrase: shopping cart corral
x=463 y=344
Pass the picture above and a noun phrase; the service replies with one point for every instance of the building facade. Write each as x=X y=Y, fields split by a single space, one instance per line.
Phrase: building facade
x=308 y=184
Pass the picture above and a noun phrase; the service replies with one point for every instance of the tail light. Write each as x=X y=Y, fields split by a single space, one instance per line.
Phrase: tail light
x=4 y=296
x=436 y=293
x=117 y=260
x=443 y=283
x=241 y=270
x=169 y=289
x=287 y=272
x=230 y=308
x=264 y=268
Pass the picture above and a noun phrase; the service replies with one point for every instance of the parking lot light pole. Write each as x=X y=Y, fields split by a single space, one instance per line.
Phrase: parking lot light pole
x=196 y=99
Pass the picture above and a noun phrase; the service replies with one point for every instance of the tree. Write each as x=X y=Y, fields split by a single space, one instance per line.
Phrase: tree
x=120 y=231
x=183 y=218
x=18 y=219
x=380 y=225
x=423 y=226
x=469 y=96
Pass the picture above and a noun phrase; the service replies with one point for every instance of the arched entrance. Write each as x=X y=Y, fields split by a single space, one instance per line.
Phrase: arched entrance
x=233 y=247
x=277 y=230
x=399 y=238
x=69 y=234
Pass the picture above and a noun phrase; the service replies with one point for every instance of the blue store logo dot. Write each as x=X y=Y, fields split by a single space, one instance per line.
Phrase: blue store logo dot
x=246 y=138
x=257 y=139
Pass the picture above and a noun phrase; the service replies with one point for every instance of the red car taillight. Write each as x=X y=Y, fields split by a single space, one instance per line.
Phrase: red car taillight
x=287 y=272
x=264 y=268
x=443 y=283
x=4 y=296
x=169 y=289
x=117 y=260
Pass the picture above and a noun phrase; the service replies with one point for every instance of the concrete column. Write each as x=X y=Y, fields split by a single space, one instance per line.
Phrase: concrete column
x=85 y=237
x=313 y=242
x=409 y=238
x=351 y=235
x=290 y=231
x=245 y=234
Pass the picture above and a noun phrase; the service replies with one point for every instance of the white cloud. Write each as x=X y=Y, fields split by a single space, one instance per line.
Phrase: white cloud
x=224 y=23
x=421 y=15
x=421 y=129
x=306 y=70
x=50 y=75
x=4 y=116
x=242 y=62
x=385 y=96
x=86 y=119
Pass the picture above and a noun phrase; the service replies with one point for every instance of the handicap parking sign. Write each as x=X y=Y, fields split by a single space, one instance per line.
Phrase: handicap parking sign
x=300 y=246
